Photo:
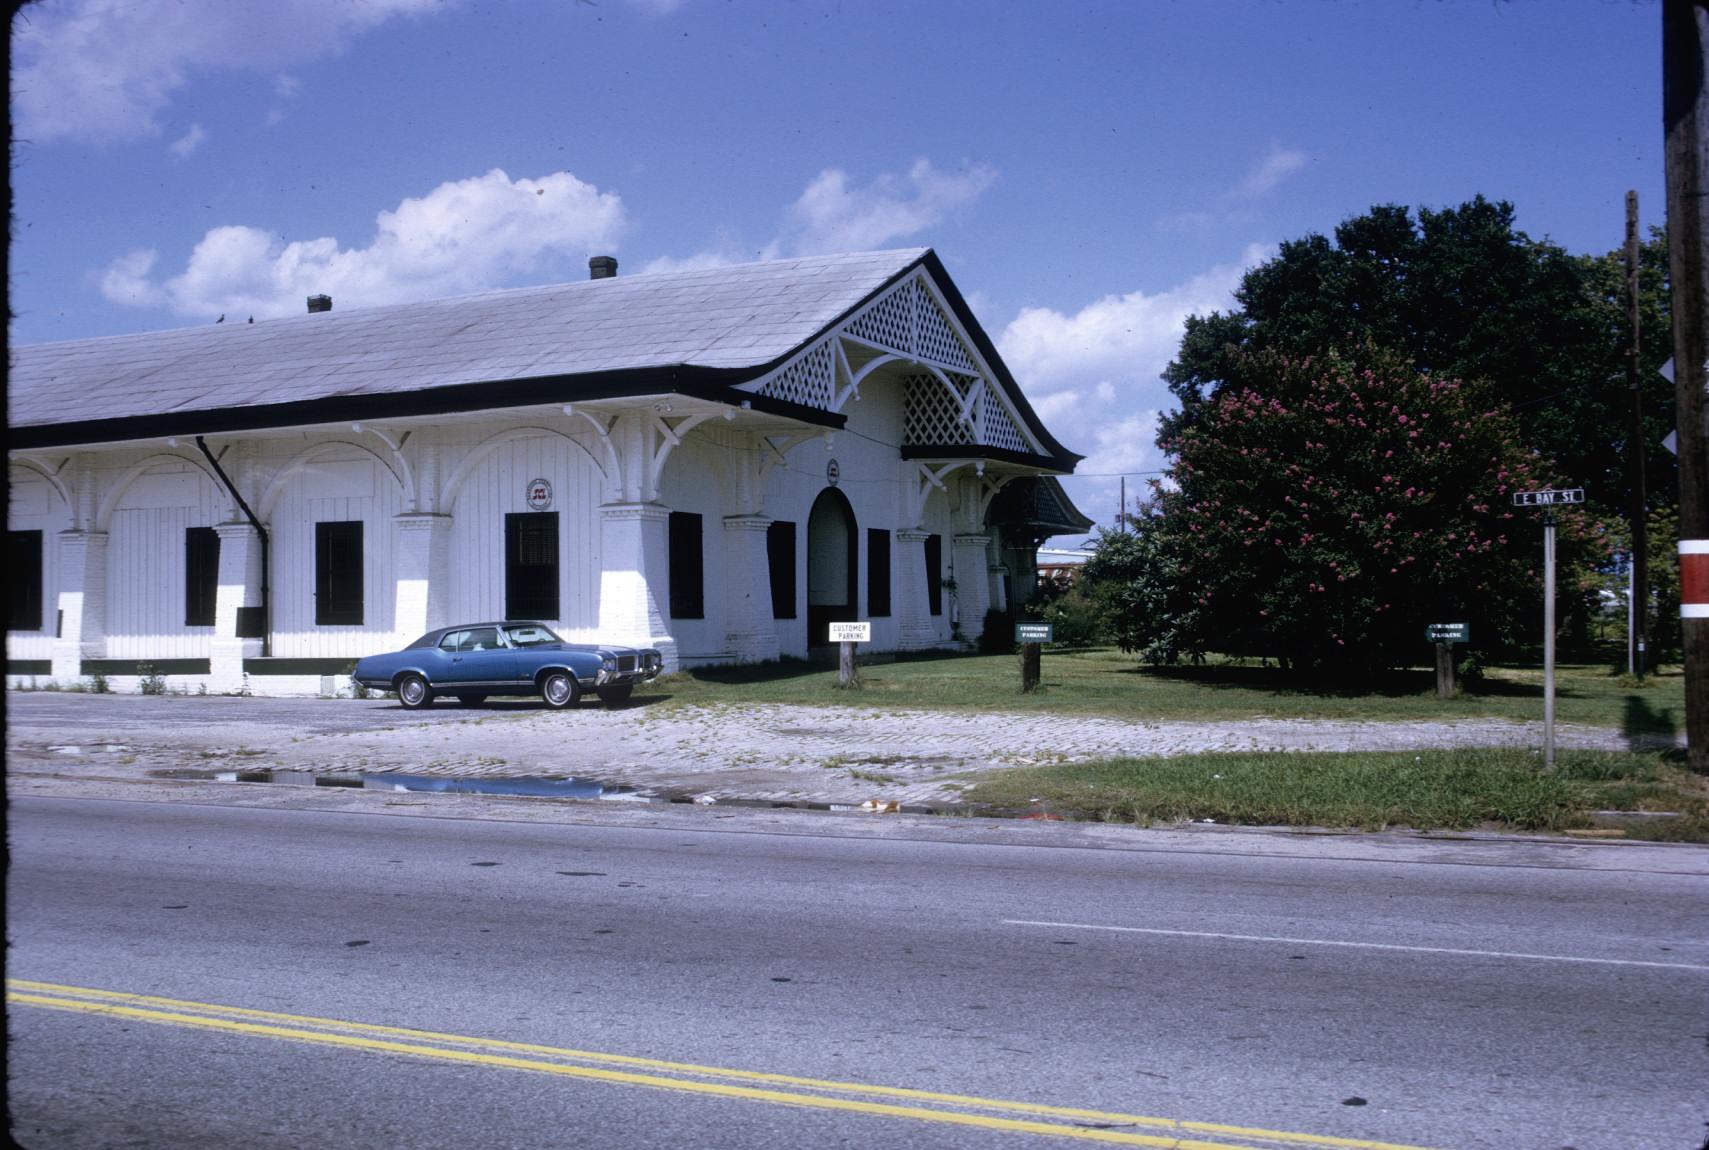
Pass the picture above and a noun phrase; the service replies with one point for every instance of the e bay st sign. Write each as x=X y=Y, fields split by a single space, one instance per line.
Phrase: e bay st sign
x=1548 y=498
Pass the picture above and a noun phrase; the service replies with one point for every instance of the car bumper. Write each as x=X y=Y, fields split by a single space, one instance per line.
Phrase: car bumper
x=630 y=670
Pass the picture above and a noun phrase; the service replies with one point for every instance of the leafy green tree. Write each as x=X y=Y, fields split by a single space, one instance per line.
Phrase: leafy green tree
x=1612 y=583
x=1324 y=510
x=1608 y=408
x=1462 y=294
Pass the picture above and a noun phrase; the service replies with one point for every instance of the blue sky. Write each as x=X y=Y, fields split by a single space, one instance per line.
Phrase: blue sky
x=1089 y=172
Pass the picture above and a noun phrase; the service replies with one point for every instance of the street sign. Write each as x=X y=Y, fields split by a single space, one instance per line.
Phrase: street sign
x=1034 y=632
x=1548 y=498
x=851 y=632
x=1448 y=633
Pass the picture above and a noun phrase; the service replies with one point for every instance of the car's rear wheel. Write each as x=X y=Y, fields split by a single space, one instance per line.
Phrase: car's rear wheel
x=471 y=700
x=413 y=692
x=560 y=690
x=617 y=693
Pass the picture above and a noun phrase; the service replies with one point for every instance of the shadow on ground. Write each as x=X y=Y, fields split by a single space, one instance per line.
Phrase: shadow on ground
x=1648 y=727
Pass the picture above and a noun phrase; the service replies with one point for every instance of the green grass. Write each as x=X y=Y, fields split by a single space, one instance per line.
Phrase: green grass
x=1105 y=682
x=1459 y=789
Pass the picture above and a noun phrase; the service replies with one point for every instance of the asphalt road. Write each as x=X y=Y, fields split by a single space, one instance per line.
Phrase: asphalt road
x=1450 y=999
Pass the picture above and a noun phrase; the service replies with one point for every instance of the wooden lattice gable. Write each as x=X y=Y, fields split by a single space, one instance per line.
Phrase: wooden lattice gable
x=955 y=398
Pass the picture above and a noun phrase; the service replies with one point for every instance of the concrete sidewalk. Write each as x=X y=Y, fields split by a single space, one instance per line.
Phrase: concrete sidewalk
x=836 y=757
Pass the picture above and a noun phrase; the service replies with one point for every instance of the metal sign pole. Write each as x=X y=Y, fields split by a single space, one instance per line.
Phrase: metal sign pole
x=1550 y=499
x=1549 y=641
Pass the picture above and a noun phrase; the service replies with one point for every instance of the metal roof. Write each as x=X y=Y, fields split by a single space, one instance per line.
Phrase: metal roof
x=723 y=319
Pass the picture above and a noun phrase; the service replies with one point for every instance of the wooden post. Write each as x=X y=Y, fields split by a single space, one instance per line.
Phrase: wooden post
x=848 y=671
x=1638 y=660
x=1029 y=667
x=1685 y=120
x=1444 y=671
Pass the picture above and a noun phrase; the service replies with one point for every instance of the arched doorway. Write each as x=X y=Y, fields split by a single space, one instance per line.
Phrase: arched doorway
x=833 y=561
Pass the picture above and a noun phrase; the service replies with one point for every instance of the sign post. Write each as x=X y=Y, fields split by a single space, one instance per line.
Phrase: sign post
x=1030 y=636
x=846 y=635
x=1445 y=635
x=1549 y=499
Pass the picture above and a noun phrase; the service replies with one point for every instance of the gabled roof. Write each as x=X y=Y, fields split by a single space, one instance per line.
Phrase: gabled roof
x=699 y=332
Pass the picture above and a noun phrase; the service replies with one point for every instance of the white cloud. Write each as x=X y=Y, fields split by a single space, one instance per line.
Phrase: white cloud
x=126 y=278
x=188 y=142
x=832 y=215
x=1123 y=446
x=465 y=236
x=1236 y=205
x=1278 y=165
x=1092 y=375
x=1116 y=346
x=102 y=71
x=285 y=89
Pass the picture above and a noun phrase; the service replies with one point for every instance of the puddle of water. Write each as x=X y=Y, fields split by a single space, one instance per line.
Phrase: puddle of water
x=571 y=788
x=75 y=749
x=533 y=787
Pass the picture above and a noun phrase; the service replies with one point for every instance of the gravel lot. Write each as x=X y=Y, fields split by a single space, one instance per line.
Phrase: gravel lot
x=841 y=756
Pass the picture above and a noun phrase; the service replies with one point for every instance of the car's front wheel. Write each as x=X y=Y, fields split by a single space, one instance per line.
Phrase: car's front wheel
x=615 y=694
x=560 y=690
x=413 y=692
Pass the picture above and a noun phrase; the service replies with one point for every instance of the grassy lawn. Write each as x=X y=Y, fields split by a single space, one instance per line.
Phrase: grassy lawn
x=1459 y=789
x=1105 y=682
x=1449 y=789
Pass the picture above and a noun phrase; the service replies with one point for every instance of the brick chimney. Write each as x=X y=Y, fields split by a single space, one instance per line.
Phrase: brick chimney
x=602 y=267
x=319 y=303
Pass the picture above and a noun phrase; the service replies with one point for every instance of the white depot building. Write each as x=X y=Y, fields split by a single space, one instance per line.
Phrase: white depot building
x=716 y=463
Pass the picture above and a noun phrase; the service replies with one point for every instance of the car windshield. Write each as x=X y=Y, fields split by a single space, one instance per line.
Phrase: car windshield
x=530 y=635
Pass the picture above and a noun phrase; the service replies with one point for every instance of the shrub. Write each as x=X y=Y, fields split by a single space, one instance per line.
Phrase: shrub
x=1075 y=620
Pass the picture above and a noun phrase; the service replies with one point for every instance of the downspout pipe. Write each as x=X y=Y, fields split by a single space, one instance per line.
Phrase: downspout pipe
x=261 y=532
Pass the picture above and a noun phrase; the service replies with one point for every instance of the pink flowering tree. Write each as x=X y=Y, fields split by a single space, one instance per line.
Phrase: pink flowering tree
x=1326 y=517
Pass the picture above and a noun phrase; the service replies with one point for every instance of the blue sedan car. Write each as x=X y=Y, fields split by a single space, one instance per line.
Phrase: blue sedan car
x=475 y=660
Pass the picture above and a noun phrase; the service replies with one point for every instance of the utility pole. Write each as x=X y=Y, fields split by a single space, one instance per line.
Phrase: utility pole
x=1636 y=657
x=1685 y=118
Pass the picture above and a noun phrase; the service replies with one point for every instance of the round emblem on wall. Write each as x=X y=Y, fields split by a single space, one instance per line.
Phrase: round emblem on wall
x=539 y=494
x=833 y=473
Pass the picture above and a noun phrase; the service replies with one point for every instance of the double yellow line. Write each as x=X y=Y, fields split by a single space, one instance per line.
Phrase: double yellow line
x=715 y=1081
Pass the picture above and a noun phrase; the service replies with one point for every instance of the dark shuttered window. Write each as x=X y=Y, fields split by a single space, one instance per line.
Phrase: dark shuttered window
x=531 y=565
x=201 y=575
x=688 y=567
x=338 y=574
x=935 y=573
x=877 y=572
x=24 y=577
x=780 y=555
